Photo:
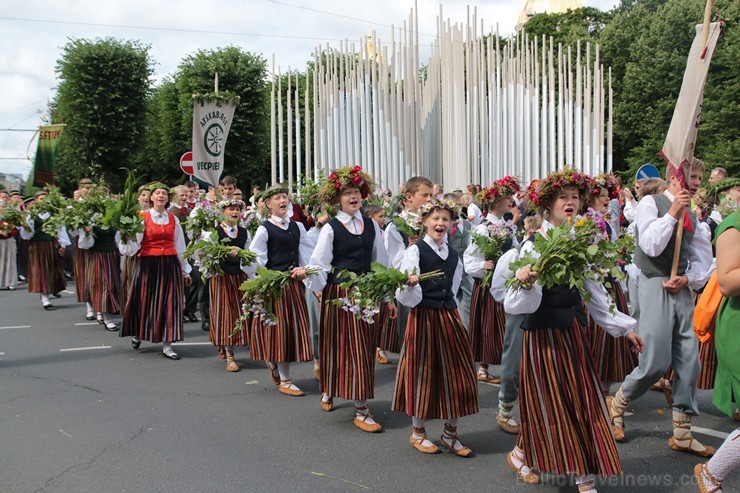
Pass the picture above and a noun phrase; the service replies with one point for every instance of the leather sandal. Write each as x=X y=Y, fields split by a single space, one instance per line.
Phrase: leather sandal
x=418 y=443
x=274 y=374
x=507 y=424
x=383 y=360
x=327 y=405
x=361 y=421
x=529 y=478
x=231 y=364
x=450 y=433
x=316 y=369
x=487 y=377
x=222 y=352
x=700 y=473
x=285 y=388
x=586 y=486
x=617 y=430
x=673 y=442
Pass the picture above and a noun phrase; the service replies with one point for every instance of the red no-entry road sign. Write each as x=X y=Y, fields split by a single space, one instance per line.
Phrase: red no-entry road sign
x=186 y=163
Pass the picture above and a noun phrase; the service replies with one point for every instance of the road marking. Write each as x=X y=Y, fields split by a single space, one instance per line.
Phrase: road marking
x=83 y=348
x=15 y=327
x=191 y=344
x=2 y=354
x=68 y=292
x=711 y=433
x=88 y=323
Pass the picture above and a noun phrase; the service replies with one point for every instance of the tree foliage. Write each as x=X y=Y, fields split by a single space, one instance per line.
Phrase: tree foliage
x=102 y=97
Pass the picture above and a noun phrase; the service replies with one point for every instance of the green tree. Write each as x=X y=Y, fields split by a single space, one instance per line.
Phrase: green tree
x=567 y=28
x=102 y=97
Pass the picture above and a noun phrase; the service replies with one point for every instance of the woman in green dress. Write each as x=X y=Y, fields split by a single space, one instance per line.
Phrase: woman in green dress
x=727 y=341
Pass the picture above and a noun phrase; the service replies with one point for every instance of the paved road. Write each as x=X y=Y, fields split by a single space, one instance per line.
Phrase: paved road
x=113 y=419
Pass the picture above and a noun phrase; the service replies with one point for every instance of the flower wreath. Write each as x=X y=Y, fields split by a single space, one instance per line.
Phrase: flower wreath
x=157 y=185
x=347 y=176
x=540 y=192
x=503 y=187
x=273 y=191
x=223 y=204
x=447 y=205
x=608 y=181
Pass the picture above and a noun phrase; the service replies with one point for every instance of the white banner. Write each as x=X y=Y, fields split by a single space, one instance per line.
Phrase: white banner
x=211 y=124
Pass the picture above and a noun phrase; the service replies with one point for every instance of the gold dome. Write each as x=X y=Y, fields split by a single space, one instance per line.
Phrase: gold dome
x=534 y=7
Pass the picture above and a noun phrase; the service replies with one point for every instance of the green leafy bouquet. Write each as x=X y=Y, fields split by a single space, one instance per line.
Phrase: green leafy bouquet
x=260 y=292
x=124 y=215
x=89 y=211
x=53 y=204
x=211 y=254
x=309 y=191
x=11 y=217
x=367 y=291
x=410 y=224
x=491 y=245
x=570 y=254
x=251 y=221
x=205 y=217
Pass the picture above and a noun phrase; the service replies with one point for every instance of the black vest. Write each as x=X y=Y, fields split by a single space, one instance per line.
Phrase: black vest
x=105 y=240
x=38 y=233
x=559 y=306
x=351 y=252
x=282 y=246
x=231 y=265
x=437 y=292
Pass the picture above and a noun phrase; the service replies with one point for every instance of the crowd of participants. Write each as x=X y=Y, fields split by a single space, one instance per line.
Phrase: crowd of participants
x=559 y=349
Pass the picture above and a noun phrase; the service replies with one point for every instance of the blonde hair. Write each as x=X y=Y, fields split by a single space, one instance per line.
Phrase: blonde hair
x=532 y=223
x=652 y=186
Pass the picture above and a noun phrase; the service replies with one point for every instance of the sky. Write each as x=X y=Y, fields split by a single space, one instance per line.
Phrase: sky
x=33 y=32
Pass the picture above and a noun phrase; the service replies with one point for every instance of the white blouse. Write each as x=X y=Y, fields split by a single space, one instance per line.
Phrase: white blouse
x=393 y=241
x=412 y=295
x=473 y=260
x=29 y=229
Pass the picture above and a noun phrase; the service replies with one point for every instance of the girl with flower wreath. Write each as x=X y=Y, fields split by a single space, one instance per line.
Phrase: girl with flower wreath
x=560 y=392
x=351 y=242
x=436 y=370
x=487 y=316
x=612 y=356
x=282 y=244
x=153 y=311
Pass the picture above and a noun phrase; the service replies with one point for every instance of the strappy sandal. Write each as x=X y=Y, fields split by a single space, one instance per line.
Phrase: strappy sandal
x=484 y=376
x=418 y=443
x=361 y=416
x=617 y=429
x=231 y=364
x=274 y=374
x=383 y=360
x=328 y=404
x=587 y=486
x=701 y=471
x=316 y=369
x=673 y=442
x=529 y=478
x=285 y=388
x=222 y=352
x=450 y=433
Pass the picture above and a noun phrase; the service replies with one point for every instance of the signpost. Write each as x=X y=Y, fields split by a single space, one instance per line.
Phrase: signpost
x=186 y=163
x=647 y=171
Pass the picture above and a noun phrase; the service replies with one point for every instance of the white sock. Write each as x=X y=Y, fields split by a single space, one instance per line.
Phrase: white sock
x=725 y=459
x=363 y=412
x=419 y=424
x=325 y=397
x=90 y=308
x=450 y=439
x=106 y=318
x=45 y=299
x=167 y=347
x=517 y=457
x=284 y=371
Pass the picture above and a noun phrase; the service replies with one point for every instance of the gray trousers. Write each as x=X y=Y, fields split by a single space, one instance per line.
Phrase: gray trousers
x=632 y=289
x=667 y=327
x=463 y=298
x=510 y=358
x=314 y=319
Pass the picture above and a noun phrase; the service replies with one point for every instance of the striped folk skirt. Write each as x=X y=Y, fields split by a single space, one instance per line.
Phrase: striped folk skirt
x=225 y=310
x=128 y=268
x=612 y=355
x=289 y=341
x=45 y=268
x=436 y=371
x=386 y=330
x=487 y=321
x=80 y=262
x=565 y=425
x=347 y=355
x=103 y=281
x=154 y=308
x=8 y=259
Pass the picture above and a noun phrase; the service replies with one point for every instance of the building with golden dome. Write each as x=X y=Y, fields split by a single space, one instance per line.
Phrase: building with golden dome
x=534 y=7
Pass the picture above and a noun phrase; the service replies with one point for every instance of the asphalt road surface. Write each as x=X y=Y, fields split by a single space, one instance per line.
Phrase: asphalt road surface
x=81 y=411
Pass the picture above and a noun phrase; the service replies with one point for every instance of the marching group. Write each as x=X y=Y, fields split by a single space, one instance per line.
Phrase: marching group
x=559 y=348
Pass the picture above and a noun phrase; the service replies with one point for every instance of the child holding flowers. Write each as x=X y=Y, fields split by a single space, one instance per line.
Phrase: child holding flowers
x=283 y=245
x=351 y=242
x=491 y=238
x=436 y=374
x=559 y=390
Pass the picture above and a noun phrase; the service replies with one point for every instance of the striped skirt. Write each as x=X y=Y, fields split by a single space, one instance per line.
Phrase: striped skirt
x=154 y=308
x=225 y=310
x=612 y=355
x=386 y=330
x=487 y=321
x=103 y=281
x=128 y=268
x=565 y=425
x=436 y=371
x=80 y=263
x=45 y=268
x=347 y=355
x=8 y=259
x=708 y=360
x=290 y=340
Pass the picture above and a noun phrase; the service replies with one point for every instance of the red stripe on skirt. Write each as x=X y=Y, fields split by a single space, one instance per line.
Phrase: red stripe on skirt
x=226 y=309
x=387 y=330
x=154 y=310
x=103 y=282
x=487 y=322
x=565 y=425
x=436 y=371
x=45 y=268
x=130 y=265
x=80 y=265
x=347 y=355
x=612 y=355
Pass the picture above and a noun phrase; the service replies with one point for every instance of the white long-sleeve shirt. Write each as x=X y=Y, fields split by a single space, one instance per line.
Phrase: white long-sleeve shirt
x=475 y=216
x=323 y=254
x=393 y=241
x=132 y=247
x=473 y=260
x=259 y=244
x=523 y=301
x=654 y=234
x=412 y=295
x=27 y=231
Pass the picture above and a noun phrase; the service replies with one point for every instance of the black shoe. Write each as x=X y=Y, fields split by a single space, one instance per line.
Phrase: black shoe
x=192 y=317
x=135 y=344
x=22 y=278
x=101 y=320
x=171 y=355
x=49 y=307
x=91 y=316
x=205 y=326
x=57 y=295
x=111 y=327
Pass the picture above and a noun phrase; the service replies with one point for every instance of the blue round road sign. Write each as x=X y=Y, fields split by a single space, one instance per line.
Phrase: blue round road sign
x=647 y=171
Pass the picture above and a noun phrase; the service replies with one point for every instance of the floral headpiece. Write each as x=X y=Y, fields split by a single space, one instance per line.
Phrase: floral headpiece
x=608 y=181
x=273 y=191
x=447 y=205
x=508 y=186
x=157 y=185
x=347 y=176
x=540 y=192
x=223 y=204
x=726 y=184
